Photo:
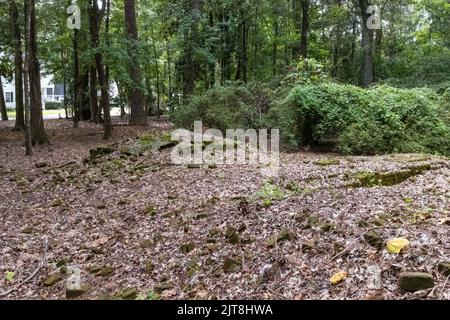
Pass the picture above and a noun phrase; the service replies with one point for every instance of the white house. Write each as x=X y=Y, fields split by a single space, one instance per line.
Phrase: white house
x=50 y=91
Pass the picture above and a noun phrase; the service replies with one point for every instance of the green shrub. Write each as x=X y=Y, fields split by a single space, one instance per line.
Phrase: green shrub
x=363 y=121
x=225 y=107
x=53 y=105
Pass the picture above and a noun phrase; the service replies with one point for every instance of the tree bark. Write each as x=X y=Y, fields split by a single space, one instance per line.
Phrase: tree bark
x=28 y=135
x=2 y=103
x=136 y=94
x=367 y=45
x=305 y=28
x=37 y=122
x=158 y=85
x=76 y=80
x=93 y=94
x=190 y=65
x=95 y=18
x=18 y=66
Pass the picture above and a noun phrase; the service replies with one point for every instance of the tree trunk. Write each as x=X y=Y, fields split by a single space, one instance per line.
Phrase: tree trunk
x=158 y=88
x=136 y=94
x=190 y=65
x=95 y=18
x=28 y=135
x=305 y=29
x=93 y=93
x=2 y=103
x=367 y=45
x=18 y=66
x=37 y=122
x=169 y=73
x=76 y=80
x=244 y=50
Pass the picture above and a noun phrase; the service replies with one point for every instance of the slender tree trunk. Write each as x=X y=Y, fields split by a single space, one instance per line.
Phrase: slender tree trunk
x=336 y=46
x=305 y=28
x=37 y=122
x=95 y=18
x=275 y=46
x=169 y=72
x=190 y=65
x=85 y=113
x=136 y=94
x=93 y=93
x=158 y=90
x=367 y=46
x=244 y=50
x=18 y=66
x=76 y=80
x=28 y=134
x=2 y=102
x=104 y=98
x=65 y=98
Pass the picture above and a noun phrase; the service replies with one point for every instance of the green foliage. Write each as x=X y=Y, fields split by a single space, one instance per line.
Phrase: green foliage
x=269 y=193
x=9 y=276
x=226 y=107
x=364 y=121
x=53 y=105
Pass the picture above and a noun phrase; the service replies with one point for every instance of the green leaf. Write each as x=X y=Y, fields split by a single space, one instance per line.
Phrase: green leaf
x=9 y=276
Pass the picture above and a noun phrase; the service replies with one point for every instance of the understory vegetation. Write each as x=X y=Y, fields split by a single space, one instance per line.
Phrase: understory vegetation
x=351 y=120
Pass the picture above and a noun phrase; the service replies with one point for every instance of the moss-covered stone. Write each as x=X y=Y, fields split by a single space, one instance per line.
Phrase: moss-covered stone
x=129 y=294
x=187 y=247
x=327 y=162
x=444 y=268
x=72 y=293
x=162 y=287
x=231 y=235
x=231 y=265
x=415 y=281
x=150 y=210
x=149 y=267
x=106 y=271
x=284 y=235
x=391 y=178
x=374 y=239
x=28 y=230
x=327 y=227
x=52 y=279
x=146 y=243
x=57 y=203
x=99 y=152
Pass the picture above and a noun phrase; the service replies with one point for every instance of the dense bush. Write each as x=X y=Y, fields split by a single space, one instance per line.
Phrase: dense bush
x=226 y=107
x=53 y=105
x=364 y=121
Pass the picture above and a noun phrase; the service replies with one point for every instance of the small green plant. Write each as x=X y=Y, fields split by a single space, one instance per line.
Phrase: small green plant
x=293 y=187
x=269 y=193
x=9 y=276
x=151 y=295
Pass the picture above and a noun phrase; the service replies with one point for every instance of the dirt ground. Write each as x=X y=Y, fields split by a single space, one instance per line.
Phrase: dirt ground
x=139 y=226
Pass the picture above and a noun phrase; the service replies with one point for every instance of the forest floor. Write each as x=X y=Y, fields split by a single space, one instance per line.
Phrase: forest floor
x=138 y=225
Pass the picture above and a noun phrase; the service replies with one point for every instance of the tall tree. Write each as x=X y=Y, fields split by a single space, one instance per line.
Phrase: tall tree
x=2 y=103
x=136 y=94
x=18 y=65
x=96 y=16
x=37 y=122
x=191 y=37
x=305 y=28
x=367 y=45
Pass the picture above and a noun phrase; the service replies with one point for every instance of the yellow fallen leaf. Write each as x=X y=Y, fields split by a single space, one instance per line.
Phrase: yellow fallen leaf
x=396 y=245
x=338 y=277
